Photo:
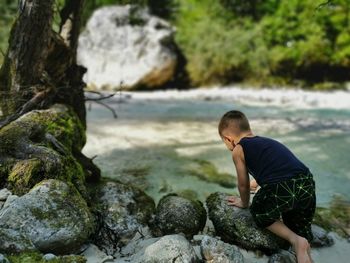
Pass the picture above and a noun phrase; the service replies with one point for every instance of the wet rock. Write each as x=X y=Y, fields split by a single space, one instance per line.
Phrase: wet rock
x=39 y=146
x=148 y=57
x=177 y=214
x=283 y=256
x=336 y=217
x=123 y=210
x=52 y=217
x=4 y=193
x=170 y=248
x=214 y=250
x=236 y=225
x=321 y=237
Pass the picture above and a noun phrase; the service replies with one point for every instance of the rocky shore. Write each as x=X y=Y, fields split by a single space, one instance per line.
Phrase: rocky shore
x=52 y=211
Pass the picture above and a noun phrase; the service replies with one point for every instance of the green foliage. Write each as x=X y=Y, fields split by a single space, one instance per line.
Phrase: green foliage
x=252 y=8
x=8 y=9
x=261 y=41
x=230 y=40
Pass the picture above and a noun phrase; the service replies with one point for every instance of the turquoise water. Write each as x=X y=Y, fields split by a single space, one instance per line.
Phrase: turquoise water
x=161 y=138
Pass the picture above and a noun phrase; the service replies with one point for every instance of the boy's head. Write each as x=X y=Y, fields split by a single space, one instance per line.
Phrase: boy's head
x=231 y=127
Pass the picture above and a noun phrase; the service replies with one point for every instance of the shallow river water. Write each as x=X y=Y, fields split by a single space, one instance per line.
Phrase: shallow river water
x=159 y=138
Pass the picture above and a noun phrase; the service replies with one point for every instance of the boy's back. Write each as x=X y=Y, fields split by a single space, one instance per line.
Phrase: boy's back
x=269 y=161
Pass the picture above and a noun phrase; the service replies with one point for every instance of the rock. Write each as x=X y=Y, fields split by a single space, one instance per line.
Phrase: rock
x=52 y=216
x=3 y=259
x=125 y=44
x=214 y=250
x=12 y=241
x=197 y=250
x=39 y=146
x=170 y=248
x=31 y=257
x=137 y=244
x=123 y=210
x=177 y=214
x=334 y=218
x=9 y=200
x=236 y=225
x=49 y=257
x=283 y=256
x=4 y=193
x=321 y=237
x=93 y=255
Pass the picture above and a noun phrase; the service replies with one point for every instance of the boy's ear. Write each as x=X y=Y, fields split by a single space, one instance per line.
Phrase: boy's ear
x=225 y=138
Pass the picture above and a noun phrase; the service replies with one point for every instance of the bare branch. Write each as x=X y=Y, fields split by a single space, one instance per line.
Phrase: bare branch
x=108 y=107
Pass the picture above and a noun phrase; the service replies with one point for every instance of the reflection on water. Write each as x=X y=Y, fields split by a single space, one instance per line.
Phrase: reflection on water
x=159 y=138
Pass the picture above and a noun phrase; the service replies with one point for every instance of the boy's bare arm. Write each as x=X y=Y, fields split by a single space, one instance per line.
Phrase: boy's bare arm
x=242 y=177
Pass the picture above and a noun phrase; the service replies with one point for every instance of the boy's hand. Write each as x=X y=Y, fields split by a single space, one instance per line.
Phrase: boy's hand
x=236 y=201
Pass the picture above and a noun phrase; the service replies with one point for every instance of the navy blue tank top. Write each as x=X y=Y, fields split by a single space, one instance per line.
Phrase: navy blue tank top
x=269 y=161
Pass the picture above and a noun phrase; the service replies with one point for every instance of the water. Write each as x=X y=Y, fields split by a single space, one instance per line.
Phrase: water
x=156 y=140
x=158 y=136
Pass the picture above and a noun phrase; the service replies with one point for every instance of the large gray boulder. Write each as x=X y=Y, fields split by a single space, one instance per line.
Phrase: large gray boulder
x=214 y=250
x=52 y=217
x=176 y=214
x=126 y=44
x=122 y=210
x=170 y=248
x=236 y=225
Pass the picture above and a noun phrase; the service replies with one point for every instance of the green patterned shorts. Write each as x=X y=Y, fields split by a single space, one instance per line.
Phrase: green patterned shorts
x=292 y=200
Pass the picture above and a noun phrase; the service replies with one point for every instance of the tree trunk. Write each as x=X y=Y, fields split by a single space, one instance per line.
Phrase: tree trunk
x=40 y=67
x=39 y=59
x=26 y=55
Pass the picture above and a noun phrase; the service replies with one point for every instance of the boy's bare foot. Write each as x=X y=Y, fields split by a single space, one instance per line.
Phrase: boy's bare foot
x=302 y=249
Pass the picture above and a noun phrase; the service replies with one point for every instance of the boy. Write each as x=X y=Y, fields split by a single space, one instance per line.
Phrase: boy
x=287 y=186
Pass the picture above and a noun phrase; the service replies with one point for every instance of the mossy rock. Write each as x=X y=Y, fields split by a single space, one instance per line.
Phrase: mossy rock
x=207 y=171
x=60 y=121
x=57 y=219
x=122 y=209
x=12 y=241
x=39 y=146
x=236 y=225
x=176 y=214
x=335 y=218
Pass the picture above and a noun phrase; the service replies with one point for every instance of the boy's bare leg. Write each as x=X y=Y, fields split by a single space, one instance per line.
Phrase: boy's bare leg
x=300 y=244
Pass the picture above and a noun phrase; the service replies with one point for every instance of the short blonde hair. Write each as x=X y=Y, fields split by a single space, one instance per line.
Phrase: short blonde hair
x=235 y=116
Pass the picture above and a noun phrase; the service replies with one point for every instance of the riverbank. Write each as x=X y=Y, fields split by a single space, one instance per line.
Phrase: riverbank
x=179 y=128
x=161 y=137
x=298 y=98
